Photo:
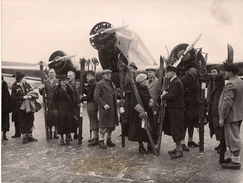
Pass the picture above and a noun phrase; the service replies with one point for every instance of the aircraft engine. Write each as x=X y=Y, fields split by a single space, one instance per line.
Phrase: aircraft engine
x=61 y=66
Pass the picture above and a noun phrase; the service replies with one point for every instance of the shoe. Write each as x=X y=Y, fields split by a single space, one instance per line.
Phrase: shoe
x=75 y=136
x=178 y=154
x=32 y=139
x=142 y=150
x=62 y=142
x=93 y=143
x=193 y=144
x=102 y=144
x=55 y=135
x=25 y=140
x=172 y=152
x=67 y=142
x=50 y=135
x=185 y=148
x=231 y=165
x=109 y=143
x=218 y=147
x=4 y=137
x=90 y=140
x=16 y=136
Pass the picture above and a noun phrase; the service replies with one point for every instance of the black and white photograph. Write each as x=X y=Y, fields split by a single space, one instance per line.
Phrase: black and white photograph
x=142 y=91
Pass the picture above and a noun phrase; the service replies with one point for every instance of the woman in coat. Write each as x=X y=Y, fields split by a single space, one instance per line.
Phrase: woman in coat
x=215 y=88
x=136 y=130
x=63 y=106
x=6 y=108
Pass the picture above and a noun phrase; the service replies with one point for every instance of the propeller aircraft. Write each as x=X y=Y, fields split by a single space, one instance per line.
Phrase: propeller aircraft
x=114 y=44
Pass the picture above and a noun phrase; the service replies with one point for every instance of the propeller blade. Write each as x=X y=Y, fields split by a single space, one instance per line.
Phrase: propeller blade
x=189 y=48
x=63 y=58
x=109 y=30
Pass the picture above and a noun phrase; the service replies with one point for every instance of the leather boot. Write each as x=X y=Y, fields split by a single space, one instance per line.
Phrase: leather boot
x=25 y=139
x=94 y=142
x=102 y=144
x=30 y=138
x=109 y=143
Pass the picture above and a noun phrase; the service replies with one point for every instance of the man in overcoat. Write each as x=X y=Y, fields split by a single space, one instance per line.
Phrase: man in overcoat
x=49 y=87
x=105 y=95
x=231 y=114
x=174 y=112
x=215 y=86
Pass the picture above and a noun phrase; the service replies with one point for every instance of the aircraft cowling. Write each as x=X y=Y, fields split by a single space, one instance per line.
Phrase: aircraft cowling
x=61 y=67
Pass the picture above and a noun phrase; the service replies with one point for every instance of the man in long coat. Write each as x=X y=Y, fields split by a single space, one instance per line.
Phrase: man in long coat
x=231 y=114
x=215 y=87
x=48 y=88
x=75 y=86
x=105 y=95
x=174 y=112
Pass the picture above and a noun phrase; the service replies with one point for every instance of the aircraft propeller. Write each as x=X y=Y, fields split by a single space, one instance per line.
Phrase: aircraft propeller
x=108 y=31
x=63 y=58
x=189 y=48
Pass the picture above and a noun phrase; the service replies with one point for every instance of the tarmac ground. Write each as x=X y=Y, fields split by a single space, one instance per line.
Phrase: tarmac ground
x=48 y=161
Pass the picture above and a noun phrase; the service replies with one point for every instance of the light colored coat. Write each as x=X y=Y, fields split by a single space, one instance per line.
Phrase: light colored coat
x=154 y=92
x=230 y=103
x=105 y=94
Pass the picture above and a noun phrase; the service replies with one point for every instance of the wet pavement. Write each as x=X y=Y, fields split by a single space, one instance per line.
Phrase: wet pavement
x=48 y=161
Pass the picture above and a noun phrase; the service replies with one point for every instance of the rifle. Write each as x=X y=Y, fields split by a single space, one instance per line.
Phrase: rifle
x=122 y=107
x=81 y=106
x=163 y=82
x=134 y=88
x=202 y=111
x=41 y=63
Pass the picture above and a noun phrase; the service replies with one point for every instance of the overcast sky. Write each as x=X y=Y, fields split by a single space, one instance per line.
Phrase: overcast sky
x=32 y=29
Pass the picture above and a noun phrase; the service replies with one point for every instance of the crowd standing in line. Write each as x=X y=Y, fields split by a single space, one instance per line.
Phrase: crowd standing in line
x=224 y=107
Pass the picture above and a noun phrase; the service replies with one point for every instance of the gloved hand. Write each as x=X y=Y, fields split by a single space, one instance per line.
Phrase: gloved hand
x=143 y=115
x=140 y=110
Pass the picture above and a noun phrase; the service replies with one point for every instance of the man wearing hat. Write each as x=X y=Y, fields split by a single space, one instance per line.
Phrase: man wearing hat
x=152 y=84
x=92 y=107
x=231 y=114
x=63 y=106
x=127 y=89
x=74 y=85
x=174 y=111
x=48 y=88
x=26 y=119
x=105 y=95
x=191 y=90
x=215 y=86
x=137 y=132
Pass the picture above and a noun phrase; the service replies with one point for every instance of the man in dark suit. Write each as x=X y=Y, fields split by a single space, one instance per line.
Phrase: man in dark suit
x=49 y=87
x=174 y=112
x=105 y=95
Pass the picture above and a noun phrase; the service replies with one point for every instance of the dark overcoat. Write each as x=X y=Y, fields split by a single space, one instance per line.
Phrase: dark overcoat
x=106 y=93
x=6 y=106
x=17 y=95
x=215 y=88
x=63 y=103
x=136 y=132
x=191 y=90
x=49 y=89
x=174 y=102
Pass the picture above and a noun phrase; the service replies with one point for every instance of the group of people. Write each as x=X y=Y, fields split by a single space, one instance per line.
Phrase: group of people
x=224 y=107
